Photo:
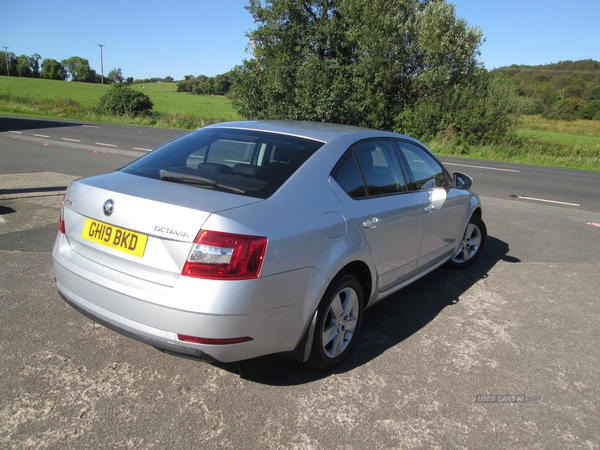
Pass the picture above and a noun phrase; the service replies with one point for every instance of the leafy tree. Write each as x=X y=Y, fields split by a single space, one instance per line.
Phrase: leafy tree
x=222 y=83
x=24 y=67
x=481 y=109
x=27 y=66
x=361 y=63
x=121 y=100
x=53 y=70
x=116 y=75
x=79 y=69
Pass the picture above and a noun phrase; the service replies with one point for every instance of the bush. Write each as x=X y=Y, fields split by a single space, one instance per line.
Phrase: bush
x=482 y=110
x=121 y=100
x=552 y=114
x=591 y=110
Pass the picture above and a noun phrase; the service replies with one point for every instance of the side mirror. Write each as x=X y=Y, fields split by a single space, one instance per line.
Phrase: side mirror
x=462 y=181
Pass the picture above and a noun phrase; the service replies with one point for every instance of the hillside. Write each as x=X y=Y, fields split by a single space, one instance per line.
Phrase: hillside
x=567 y=90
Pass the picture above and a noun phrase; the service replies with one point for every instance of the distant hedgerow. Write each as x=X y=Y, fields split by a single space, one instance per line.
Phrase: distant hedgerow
x=121 y=100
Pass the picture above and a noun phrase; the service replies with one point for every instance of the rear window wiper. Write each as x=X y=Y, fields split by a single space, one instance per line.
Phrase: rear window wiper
x=195 y=179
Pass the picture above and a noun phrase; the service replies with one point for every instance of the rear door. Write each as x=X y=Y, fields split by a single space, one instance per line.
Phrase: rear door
x=374 y=191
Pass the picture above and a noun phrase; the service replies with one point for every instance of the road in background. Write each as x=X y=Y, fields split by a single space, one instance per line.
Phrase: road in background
x=30 y=145
x=504 y=354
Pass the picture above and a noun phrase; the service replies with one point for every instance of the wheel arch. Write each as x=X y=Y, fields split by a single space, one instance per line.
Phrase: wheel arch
x=360 y=270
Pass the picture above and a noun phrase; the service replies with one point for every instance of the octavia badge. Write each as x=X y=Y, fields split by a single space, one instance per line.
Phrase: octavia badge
x=108 y=207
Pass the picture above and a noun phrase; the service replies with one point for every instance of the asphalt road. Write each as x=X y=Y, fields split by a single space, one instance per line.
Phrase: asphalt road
x=502 y=355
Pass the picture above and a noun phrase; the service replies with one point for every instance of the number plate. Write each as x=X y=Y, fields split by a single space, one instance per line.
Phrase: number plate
x=114 y=237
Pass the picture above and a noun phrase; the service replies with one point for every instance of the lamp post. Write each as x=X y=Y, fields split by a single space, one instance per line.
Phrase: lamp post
x=101 y=65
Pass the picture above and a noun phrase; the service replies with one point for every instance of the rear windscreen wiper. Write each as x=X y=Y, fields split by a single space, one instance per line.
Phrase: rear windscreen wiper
x=195 y=179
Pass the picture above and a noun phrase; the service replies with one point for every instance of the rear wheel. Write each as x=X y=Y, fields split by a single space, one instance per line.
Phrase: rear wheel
x=471 y=245
x=338 y=320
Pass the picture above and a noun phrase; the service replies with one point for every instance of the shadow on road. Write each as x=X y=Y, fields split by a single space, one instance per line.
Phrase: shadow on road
x=386 y=324
x=21 y=124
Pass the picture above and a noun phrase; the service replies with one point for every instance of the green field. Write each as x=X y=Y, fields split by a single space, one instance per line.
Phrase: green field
x=163 y=95
x=587 y=143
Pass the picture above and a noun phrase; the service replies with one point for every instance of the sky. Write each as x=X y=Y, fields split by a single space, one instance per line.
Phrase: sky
x=153 y=38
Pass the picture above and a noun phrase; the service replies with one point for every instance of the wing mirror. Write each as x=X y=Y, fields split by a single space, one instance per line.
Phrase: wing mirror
x=462 y=181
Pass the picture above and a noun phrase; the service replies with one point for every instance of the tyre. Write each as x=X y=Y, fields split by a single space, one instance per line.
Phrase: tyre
x=338 y=320
x=471 y=245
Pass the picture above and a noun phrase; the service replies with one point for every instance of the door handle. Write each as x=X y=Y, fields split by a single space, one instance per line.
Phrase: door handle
x=371 y=223
x=430 y=208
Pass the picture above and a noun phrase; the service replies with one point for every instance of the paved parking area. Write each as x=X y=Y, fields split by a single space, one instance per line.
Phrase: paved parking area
x=502 y=355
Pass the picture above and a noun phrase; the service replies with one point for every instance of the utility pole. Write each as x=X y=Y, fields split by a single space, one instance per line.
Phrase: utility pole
x=101 y=65
x=6 y=54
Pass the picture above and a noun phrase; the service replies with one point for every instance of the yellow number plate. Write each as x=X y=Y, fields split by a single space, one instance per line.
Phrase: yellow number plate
x=115 y=237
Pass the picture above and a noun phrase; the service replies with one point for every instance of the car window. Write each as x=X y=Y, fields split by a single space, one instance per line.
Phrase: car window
x=426 y=171
x=371 y=168
x=349 y=178
x=254 y=163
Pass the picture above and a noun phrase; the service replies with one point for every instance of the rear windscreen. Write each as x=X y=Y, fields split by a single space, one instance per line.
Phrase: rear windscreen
x=253 y=162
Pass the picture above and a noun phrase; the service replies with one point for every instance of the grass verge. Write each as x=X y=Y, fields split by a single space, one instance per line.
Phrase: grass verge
x=525 y=149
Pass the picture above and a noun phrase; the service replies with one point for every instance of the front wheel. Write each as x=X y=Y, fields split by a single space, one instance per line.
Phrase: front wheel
x=338 y=320
x=471 y=245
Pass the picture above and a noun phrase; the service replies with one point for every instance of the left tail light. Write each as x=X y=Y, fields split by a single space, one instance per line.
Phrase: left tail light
x=62 y=228
x=225 y=256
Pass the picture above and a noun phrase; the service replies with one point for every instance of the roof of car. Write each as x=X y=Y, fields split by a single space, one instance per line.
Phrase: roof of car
x=325 y=132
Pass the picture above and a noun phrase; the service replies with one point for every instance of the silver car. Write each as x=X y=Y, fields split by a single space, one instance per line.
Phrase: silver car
x=243 y=239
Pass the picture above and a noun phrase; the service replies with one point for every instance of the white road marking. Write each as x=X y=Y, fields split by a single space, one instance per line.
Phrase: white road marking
x=90 y=126
x=548 y=201
x=142 y=149
x=482 y=167
x=72 y=140
x=41 y=135
x=16 y=132
x=107 y=145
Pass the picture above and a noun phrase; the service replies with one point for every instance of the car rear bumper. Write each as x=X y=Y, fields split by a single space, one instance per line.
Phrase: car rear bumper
x=273 y=311
x=147 y=338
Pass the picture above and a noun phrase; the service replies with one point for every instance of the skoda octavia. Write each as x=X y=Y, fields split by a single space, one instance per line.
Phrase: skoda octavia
x=243 y=239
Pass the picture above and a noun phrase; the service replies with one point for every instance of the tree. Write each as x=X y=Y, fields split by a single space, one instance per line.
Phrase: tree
x=53 y=70
x=79 y=69
x=116 y=75
x=12 y=63
x=222 y=84
x=34 y=61
x=354 y=62
x=24 y=67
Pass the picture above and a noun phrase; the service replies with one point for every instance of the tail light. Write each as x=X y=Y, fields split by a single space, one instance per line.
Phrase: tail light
x=224 y=256
x=62 y=228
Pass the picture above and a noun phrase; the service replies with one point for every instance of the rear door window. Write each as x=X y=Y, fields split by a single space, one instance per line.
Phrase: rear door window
x=370 y=169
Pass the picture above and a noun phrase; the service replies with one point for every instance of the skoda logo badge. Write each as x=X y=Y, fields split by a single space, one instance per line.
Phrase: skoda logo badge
x=108 y=208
